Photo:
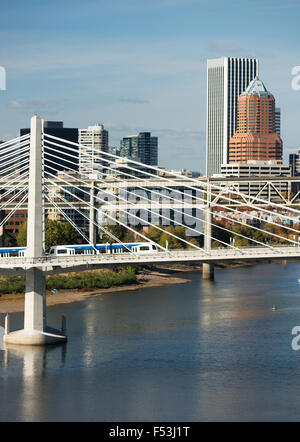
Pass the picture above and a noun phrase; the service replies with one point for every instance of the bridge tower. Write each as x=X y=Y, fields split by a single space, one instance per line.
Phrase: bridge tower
x=208 y=271
x=92 y=228
x=36 y=331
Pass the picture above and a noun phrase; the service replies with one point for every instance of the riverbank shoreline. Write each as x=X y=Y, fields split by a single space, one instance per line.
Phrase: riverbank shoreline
x=147 y=277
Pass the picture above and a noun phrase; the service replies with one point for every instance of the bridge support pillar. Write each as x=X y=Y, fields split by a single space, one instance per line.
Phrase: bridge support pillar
x=35 y=300
x=35 y=330
x=92 y=229
x=208 y=269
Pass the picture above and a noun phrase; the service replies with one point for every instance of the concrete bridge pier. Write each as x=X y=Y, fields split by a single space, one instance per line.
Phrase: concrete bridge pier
x=208 y=271
x=36 y=331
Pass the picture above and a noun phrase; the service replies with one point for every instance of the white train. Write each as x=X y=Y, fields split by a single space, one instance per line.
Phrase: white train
x=12 y=252
x=84 y=249
x=87 y=249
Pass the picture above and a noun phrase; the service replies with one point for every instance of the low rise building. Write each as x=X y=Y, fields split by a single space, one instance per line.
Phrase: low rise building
x=256 y=168
x=294 y=162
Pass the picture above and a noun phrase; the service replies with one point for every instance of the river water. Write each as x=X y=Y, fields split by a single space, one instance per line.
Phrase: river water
x=202 y=351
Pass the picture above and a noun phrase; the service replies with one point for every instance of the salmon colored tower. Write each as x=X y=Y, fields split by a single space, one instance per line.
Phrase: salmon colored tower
x=255 y=138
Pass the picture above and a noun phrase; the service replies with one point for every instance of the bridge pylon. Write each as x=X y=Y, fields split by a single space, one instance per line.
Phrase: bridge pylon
x=36 y=331
x=208 y=270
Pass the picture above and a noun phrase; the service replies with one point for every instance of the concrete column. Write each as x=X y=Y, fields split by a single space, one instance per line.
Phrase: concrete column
x=35 y=224
x=92 y=229
x=208 y=268
x=36 y=331
x=208 y=271
x=289 y=191
x=35 y=302
x=207 y=229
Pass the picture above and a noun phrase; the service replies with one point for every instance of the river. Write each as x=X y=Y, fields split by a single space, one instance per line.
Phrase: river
x=201 y=351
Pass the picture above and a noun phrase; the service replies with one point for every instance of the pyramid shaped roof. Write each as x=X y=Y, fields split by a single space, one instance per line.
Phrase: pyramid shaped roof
x=256 y=87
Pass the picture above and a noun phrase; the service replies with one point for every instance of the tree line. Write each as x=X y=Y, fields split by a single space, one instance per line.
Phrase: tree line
x=171 y=237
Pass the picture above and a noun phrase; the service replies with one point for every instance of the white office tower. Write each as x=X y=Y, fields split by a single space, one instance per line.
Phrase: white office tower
x=277 y=120
x=227 y=78
x=92 y=141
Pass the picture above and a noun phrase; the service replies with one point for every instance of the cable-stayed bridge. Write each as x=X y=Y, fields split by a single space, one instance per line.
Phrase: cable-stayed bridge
x=50 y=265
x=105 y=190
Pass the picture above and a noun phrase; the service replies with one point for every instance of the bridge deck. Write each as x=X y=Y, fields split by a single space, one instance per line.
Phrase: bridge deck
x=65 y=264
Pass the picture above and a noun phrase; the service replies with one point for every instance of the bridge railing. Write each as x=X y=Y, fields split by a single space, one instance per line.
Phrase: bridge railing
x=176 y=256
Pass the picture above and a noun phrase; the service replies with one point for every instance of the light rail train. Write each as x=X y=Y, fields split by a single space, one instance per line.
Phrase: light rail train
x=12 y=252
x=84 y=249
x=87 y=249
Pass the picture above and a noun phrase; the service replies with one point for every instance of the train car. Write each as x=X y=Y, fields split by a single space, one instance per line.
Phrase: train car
x=84 y=249
x=71 y=250
x=12 y=252
x=87 y=249
x=143 y=247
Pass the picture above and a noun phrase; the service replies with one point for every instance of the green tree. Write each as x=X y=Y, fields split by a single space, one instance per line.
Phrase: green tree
x=154 y=234
x=220 y=234
x=56 y=233
x=173 y=243
x=260 y=236
x=192 y=241
x=22 y=235
x=129 y=236
x=244 y=230
x=180 y=231
x=8 y=241
x=117 y=230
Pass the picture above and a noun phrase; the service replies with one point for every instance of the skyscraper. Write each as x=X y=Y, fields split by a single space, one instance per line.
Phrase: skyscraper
x=227 y=78
x=256 y=137
x=278 y=120
x=93 y=141
x=142 y=147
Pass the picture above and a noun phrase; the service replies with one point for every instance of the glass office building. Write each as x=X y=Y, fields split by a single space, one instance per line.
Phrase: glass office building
x=142 y=147
x=227 y=78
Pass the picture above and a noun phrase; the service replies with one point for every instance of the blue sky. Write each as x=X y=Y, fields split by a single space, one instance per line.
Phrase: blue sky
x=138 y=65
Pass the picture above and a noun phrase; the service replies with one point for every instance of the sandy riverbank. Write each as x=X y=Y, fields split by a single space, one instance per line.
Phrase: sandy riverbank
x=157 y=276
x=146 y=278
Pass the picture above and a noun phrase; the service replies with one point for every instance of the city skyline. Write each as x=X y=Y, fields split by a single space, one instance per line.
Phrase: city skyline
x=141 y=78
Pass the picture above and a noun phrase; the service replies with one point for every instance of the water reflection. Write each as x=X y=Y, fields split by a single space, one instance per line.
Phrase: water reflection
x=32 y=362
x=198 y=351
